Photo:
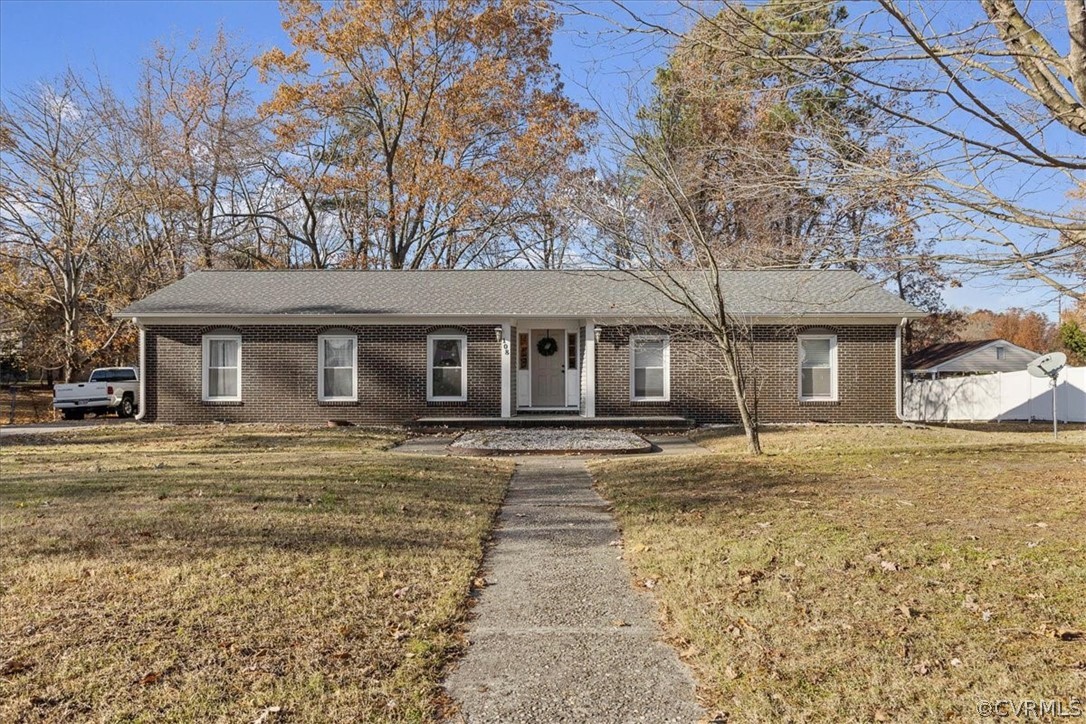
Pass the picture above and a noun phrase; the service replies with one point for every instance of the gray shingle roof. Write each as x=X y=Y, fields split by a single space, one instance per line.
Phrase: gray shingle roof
x=797 y=293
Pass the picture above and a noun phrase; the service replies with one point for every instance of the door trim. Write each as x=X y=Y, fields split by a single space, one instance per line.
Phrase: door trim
x=565 y=327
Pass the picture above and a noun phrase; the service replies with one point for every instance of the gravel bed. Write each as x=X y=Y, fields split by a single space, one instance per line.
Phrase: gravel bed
x=530 y=440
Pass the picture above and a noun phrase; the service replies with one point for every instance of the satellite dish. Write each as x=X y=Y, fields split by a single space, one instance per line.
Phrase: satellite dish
x=1047 y=365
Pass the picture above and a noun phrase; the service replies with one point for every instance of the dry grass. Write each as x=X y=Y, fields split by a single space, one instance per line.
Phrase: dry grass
x=867 y=574
x=209 y=574
x=32 y=404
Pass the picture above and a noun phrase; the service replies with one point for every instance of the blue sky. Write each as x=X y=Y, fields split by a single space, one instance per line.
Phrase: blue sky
x=39 y=38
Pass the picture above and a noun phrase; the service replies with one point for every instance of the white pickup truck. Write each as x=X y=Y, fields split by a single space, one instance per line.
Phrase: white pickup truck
x=109 y=388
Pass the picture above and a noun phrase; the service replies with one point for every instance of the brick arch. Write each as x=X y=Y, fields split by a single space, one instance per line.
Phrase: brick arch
x=220 y=329
x=815 y=330
x=447 y=329
x=335 y=329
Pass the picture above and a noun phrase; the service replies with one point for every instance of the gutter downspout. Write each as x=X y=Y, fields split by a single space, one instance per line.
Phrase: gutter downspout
x=143 y=367
x=899 y=387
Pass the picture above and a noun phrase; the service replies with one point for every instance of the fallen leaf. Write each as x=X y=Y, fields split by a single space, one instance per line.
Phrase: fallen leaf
x=730 y=673
x=266 y=713
x=150 y=677
x=620 y=623
x=889 y=566
x=955 y=662
x=750 y=576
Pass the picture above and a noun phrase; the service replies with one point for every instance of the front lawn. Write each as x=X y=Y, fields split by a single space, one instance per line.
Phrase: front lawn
x=871 y=574
x=233 y=573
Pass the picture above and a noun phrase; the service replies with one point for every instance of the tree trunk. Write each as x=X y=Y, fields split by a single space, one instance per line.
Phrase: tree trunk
x=747 y=416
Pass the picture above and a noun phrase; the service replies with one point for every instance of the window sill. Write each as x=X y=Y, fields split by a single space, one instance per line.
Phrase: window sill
x=337 y=403
x=222 y=403
x=449 y=401
x=816 y=401
x=650 y=400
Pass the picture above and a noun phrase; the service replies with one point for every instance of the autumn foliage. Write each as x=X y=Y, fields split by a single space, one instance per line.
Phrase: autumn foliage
x=437 y=117
x=397 y=135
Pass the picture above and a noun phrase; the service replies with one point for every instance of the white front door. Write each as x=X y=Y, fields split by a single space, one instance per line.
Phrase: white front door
x=548 y=370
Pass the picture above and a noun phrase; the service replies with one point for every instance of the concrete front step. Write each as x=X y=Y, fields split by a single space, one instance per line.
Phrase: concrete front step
x=662 y=423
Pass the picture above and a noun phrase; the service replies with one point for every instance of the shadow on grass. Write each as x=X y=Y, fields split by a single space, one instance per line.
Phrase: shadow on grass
x=172 y=539
x=1039 y=426
x=179 y=513
x=764 y=485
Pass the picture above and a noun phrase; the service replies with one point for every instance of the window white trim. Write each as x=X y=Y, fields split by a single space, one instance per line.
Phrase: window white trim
x=634 y=339
x=430 y=340
x=321 y=397
x=832 y=397
x=204 y=366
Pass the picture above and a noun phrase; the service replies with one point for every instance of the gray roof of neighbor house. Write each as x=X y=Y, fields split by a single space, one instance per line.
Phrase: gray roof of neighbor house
x=466 y=293
x=974 y=355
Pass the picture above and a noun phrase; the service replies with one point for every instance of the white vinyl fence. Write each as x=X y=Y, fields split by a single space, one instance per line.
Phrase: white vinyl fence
x=998 y=396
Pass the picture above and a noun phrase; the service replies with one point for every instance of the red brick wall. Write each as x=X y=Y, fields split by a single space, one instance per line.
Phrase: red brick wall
x=700 y=390
x=279 y=376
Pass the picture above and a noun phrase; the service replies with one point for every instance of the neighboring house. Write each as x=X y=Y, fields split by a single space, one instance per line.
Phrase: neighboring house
x=975 y=357
x=395 y=346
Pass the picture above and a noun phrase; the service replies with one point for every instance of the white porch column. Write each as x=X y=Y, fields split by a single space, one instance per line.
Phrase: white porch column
x=507 y=371
x=590 y=369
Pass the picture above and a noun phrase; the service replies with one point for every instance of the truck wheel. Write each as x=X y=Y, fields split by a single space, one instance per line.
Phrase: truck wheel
x=127 y=407
x=73 y=414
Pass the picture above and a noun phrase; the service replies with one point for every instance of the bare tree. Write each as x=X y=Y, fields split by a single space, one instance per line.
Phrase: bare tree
x=60 y=198
x=994 y=113
x=666 y=247
x=198 y=134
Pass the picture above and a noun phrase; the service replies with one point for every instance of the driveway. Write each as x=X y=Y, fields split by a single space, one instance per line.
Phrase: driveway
x=42 y=428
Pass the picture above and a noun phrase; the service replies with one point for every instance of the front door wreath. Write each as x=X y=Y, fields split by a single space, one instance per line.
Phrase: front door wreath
x=547 y=346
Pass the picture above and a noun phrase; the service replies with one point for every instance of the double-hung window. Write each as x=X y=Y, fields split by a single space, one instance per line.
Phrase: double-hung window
x=818 y=367
x=338 y=363
x=446 y=368
x=222 y=368
x=650 y=368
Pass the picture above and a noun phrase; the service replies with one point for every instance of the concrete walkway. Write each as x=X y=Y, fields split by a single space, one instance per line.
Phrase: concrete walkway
x=560 y=634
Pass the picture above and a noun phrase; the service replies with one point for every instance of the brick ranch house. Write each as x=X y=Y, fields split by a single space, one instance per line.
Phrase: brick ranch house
x=398 y=346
